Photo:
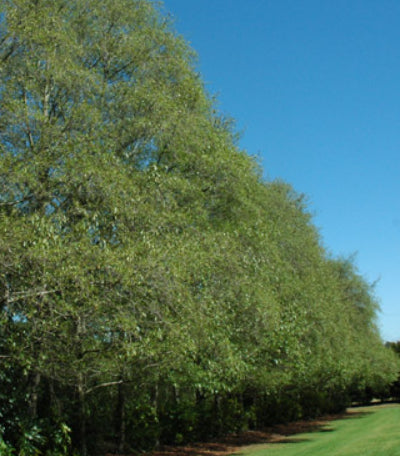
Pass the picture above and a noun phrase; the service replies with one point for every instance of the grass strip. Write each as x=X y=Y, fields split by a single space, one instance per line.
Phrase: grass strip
x=365 y=431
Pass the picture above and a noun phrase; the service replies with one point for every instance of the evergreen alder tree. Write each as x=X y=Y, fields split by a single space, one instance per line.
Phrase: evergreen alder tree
x=113 y=170
x=153 y=289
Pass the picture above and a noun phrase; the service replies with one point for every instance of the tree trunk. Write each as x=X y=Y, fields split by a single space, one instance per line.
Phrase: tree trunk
x=55 y=406
x=155 y=394
x=217 y=415
x=121 y=418
x=34 y=395
x=82 y=418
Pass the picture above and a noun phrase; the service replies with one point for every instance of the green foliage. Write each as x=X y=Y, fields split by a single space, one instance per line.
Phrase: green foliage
x=5 y=449
x=394 y=390
x=153 y=288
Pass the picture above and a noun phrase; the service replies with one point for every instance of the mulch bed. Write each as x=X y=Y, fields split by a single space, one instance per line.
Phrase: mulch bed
x=236 y=443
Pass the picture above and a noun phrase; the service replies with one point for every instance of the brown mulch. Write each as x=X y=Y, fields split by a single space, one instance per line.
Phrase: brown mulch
x=237 y=443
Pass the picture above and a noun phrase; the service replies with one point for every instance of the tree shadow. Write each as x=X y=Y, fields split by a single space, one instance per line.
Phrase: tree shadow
x=237 y=443
x=291 y=440
x=240 y=442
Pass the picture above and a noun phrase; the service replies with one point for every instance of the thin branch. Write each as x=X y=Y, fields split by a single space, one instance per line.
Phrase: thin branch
x=12 y=203
x=8 y=53
x=105 y=385
x=24 y=294
x=28 y=131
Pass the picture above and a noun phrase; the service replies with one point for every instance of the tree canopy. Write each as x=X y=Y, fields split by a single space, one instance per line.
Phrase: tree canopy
x=153 y=287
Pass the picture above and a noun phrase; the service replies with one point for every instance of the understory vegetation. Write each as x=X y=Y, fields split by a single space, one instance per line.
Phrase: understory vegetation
x=153 y=287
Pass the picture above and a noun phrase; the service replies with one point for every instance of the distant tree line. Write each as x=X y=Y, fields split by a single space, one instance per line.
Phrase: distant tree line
x=153 y=287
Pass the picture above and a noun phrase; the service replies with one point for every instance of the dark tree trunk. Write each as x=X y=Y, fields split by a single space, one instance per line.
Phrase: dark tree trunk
x=121 y=418
x=217 y=413
x=34 y=395
x=55 y=406
x=155 y=398
x=82 y=418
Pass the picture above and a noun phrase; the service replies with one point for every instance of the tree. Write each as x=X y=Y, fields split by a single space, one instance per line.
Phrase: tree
x=107 y=140
x=152 y=285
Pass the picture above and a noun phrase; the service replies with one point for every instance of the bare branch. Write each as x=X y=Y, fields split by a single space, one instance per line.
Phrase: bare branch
x=105 y=385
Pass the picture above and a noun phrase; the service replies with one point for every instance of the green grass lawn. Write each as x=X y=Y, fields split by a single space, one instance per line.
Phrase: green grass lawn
x=366 y=431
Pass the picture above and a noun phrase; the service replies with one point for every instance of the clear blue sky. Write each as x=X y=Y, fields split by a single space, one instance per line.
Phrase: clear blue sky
x=314 y=85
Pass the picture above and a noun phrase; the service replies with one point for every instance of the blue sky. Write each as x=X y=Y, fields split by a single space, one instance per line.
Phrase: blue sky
x=314 y=86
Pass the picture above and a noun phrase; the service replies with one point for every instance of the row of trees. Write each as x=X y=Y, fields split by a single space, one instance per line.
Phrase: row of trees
x=153 y=288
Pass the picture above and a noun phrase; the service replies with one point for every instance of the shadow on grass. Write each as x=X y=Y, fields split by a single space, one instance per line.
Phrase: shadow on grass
x=239 y=443
x=352 y=415
x=290 y=440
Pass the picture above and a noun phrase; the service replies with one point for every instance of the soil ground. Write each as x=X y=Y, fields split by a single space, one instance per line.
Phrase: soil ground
x=241 y=442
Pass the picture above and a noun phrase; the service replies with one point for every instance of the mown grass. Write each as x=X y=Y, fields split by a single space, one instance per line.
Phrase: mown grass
x=366 y=431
